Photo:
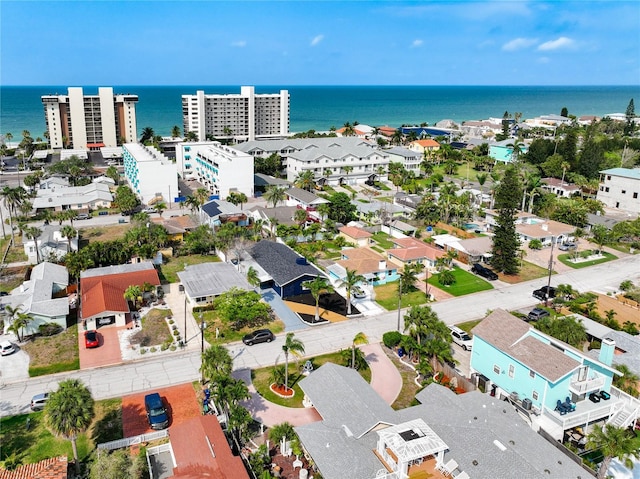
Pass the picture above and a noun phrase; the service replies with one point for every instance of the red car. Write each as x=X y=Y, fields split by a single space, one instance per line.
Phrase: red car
x=91 y=339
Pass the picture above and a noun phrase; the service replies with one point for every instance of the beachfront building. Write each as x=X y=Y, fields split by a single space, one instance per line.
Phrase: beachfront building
x=620 y=189
x=90 y=122
x=239 y=117
x=152 y=176
x=221 y=169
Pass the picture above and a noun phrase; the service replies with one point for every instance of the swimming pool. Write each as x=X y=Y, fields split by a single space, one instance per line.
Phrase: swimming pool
x=471 y=226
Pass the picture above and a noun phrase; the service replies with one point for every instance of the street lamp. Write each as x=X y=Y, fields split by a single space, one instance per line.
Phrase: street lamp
x=202 y=326
x=546 y=296
x=399 y=301
x=185 y=310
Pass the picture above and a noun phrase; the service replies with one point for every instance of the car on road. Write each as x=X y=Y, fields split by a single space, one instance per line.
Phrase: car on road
x=149 y=210
x=567 y=246
x=6 y=348
x=358 y=292
x=537 y=313
x=83 y=216
x=91 y=339
x=483 y=271
x=546 y=292
x=461 y=338
x=38 y=401
x=258 y=336
x=156 y=412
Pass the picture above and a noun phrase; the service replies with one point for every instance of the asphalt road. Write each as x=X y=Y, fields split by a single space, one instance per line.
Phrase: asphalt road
x=176 y=368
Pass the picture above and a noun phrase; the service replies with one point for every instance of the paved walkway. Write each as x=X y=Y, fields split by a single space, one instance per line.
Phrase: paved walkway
x=385 y=380
x=291 y=320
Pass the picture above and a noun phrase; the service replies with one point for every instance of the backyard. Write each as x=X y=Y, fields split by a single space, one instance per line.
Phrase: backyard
x=466 y=283
x=382 y=239
x=386 y=295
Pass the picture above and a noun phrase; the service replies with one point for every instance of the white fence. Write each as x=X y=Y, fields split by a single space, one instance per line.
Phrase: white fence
x=130 y=441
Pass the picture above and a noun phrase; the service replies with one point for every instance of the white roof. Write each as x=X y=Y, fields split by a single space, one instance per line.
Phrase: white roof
x=412 y=440
x=73 y=195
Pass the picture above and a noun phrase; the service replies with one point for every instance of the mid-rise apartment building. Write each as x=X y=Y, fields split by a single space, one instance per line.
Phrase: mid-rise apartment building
x=220 y=168
x=243 y=117
x=151 y=175
x=90 y=122
x=620 y=189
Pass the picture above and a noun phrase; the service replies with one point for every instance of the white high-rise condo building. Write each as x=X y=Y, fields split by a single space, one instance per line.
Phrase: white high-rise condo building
x=242 y=117
x=151 y=175
x=90 y=122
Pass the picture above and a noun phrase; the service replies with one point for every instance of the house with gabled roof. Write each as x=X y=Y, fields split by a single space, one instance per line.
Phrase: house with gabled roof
x=303 y=199
x=355 y=235
x=50 y=245
x=362 y=437
x=366 y=262
x=536 y=371
x=281 y=268
x=427 y=146
x=52 y=468
x=87 y=197
x=102 y=292
x=409 y=251
x=205 y=281
x=218 y=212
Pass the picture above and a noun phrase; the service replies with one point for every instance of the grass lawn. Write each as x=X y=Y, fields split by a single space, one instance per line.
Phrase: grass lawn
x=527 y=272
x=469 y=325
x=387 y=296
x=226 y=334
x=261 y=378
x=169 y=270
x=155 y=330
x=407 y=396
x=16 y=252
x=382 y=239
x=54 y=354
x=35 y=443
x=466 y=283
x=566 y=260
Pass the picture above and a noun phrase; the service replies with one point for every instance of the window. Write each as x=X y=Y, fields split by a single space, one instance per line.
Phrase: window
x=608 y=177
x=496 y=369
x=512 y=371
x=606 y=189
x=624 y=192
x=532 y=373
x=534 y=395
x=635 y=196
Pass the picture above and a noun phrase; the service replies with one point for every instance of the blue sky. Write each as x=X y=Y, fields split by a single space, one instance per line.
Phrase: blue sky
x=320 y=43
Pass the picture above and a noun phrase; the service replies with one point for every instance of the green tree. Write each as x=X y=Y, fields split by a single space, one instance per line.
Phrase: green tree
x=408 y=278
x=133 y=293
x=567 y=329
x=33 y=233
x=351 y=279
x=505 y=241
x=293 y=346
x=317 y=287
x=125 y=199
x=630 y=115
x=432 y=336
x=342 y=210
x=112 y=172
x=147 y=134
x=612 y=442
x=69 y=412
x=270 y=166
x=252 y=277
x=237 y=198
x=175 y=131
x=358 y=339
x=275 y=194
x=600 y=235
x=300 y=216
x=305 y=180
x=216 y=362
x=117 y=464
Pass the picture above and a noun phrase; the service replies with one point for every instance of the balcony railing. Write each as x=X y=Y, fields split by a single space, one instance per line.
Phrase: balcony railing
x=589 y=385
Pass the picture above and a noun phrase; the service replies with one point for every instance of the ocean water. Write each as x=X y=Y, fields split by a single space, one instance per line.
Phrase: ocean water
x=321 y=107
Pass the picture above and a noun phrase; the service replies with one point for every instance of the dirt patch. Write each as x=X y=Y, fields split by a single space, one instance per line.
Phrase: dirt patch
x=103 y=233
x=409 y=389
x=12 y=278
x=155 y=330
x=624 y=309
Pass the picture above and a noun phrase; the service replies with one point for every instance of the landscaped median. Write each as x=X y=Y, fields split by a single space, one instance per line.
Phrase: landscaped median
x=585 y=259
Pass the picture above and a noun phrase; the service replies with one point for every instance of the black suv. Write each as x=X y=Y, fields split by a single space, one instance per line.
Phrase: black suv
x=545 y=292
x=258 y=336
x=156 y=412
x=536 y=314
x=486 y=273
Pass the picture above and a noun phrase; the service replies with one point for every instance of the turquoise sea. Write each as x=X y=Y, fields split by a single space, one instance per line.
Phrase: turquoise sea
x=321 y=107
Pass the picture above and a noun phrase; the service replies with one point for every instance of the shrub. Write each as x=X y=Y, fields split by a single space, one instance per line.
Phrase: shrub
x=153 y=349
x=143 y=350
x=176 y=332
x=171 y=321
x=391 y=339
x=535 y=244
x=172 y=347
x=626 y=285
x=49 y=329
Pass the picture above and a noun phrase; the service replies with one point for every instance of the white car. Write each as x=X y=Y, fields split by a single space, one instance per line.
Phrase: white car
x=461 y=338
x=6 y=348
x=149 y=210
x=358 y=292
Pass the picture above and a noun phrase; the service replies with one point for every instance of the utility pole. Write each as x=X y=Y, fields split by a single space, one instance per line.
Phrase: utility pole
x=399 y=301
x=202 y=326
x=546 y=296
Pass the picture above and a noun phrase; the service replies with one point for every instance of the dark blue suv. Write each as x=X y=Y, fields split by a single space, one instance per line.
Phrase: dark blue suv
x=156 y=412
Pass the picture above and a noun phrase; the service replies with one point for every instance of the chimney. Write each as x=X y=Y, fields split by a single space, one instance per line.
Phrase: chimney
x=545 y=227
x=607 y=350
x=382 y=265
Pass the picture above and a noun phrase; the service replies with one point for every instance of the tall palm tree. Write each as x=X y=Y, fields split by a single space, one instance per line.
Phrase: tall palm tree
x=613 y=442
x=33 y=233
x=252 y=277
x=351 y=279
x=160 y=206
x=347 y=170
x=275 y=194
x=237 y=198
x=147 y=134
x=202 y=196
x=359 y=338
x=318 y=286
x=68 y=232
x=305 y=180
x=175 y=131
x=69 y=412
x=628 y=382
x=291 y=346
x=21 y=321
x=216 y=362
x=408 y=278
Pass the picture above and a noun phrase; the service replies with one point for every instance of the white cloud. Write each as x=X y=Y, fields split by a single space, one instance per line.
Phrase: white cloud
x=239 y=44
x=519 y=43
x=416 y=43
x=562 y=42
x=317 y=39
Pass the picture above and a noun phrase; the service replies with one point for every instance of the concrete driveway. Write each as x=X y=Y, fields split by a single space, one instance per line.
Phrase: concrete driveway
x=15 y=366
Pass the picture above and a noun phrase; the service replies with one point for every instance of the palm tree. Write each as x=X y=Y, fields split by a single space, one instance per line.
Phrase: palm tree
x=359 y=338
x=133 y=293
x=628 y=382
x=21 y=321
x=275 y=194
x=175 y=132
x=147 y=134
x=565 y=166
x=33 y=233
x=347 y=170
x=202 y=196
x=612 y=442
x=160 y=206
x=351 y=279
x=318 y=286
x=295 y=347
x=69 y=412
x=69 y=232
x=516 y=149
x=305 y=180
x=216 y=362
x=237 y=198
x=252 y=277
x=408 y=278
x=323 y=209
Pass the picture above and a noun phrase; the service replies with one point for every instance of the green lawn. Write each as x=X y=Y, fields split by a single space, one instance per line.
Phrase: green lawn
x=169 y=270
x=225 y=333
x=466 y=283
x=565 y=259
x=469 y=325
x=54 y=354
x=382 y=239
x=387 y=296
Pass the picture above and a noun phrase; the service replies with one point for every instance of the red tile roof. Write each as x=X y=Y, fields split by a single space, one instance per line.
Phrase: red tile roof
x=106 y=293
x=201 y=449
x=410 y=248
x=53 y=468
x=428 y=143
x=354 y=232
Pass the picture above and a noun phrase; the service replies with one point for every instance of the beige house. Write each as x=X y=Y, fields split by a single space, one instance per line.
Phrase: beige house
x=355 y=235
x=410 y=251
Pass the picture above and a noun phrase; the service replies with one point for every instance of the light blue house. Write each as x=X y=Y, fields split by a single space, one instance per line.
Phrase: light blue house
x=503 y=150
x=535 y=371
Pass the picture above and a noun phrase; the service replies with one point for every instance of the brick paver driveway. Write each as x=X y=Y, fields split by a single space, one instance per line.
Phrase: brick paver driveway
x=107 y=353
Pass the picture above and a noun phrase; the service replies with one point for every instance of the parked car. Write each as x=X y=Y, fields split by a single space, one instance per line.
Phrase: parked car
x=156 y=412
x=83 y=216
x=358 y=292
x=149 y=210
x=38 y=401
x=545 y=292
x=6 y=348
x=537 y=313
x=91 y=339
x=483 y=271
x=258 y=336
x=567 y=246
x=461 y=338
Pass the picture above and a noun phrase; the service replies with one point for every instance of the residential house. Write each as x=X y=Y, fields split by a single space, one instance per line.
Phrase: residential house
x=205 y=281
x=409 y=200
x=366 y=262
x=150 y=174
x=410 y=251
x=426 y=147
x=627 y=346
x=481 y=129
x=281 y=268
x=53 y=182
x=49 y=246
x=491 y=218
x=547 y=232
x=620 y=189
x=537 y=372
x=102 y=292
x=304 y=199
x=82 y=198
x=410 y=159
x=503 y=150
x=551 y=121
x=43 y=297
x=52 y=468
x=362 y=437
x=359 y=131
x=261 y=182
x=105 y=180
x=355 y=235
x=469 y=251
x=177 y=227
x=380 y=211
x=398 y=229
x=272 y=217
x=559 y=188
x=218 y=212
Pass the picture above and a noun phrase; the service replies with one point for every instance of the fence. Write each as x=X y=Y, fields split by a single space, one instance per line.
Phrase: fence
x=129 y=441
x=463 y=382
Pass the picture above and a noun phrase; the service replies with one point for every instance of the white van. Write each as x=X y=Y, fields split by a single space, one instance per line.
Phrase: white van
x=461 y=338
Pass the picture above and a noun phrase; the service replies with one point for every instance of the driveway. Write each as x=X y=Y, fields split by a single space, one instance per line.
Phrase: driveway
x=15 y=366
x=107 y=353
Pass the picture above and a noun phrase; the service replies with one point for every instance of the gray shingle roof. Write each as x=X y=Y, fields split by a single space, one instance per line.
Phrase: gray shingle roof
x=304 y=196
x=220 y=207
x=211 y=279
x=35 y=295
x=281 y=262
